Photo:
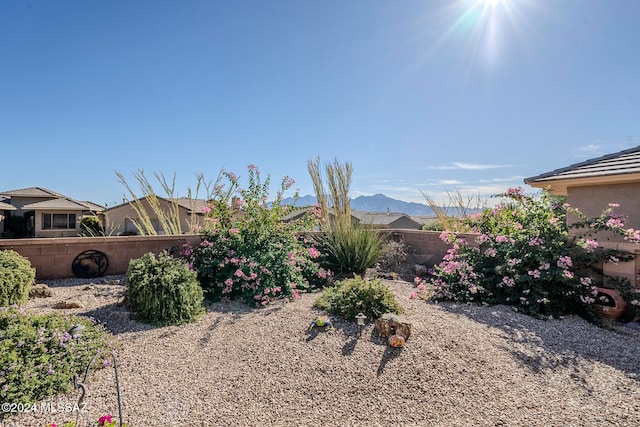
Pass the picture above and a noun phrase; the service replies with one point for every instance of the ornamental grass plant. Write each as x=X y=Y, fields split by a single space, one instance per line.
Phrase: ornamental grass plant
x=349 y=247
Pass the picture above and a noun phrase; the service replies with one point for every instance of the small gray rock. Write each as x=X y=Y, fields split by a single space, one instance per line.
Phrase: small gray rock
x=40 y=290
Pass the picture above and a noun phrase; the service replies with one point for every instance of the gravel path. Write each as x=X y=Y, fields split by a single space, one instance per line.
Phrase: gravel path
x=462 y=366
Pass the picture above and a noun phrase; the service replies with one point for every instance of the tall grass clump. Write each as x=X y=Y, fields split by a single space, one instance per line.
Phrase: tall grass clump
x=16 y=278
x=150 y=207
x=163 y=290
x=459 y=206
x=349 y=247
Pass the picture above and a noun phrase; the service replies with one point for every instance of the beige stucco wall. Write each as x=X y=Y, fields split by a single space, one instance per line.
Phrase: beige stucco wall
x=592 y=200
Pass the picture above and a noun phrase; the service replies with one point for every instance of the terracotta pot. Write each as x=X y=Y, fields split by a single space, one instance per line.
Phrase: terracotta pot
x=609 y=303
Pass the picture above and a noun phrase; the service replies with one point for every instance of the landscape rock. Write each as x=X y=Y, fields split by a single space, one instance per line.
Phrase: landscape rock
x=40 y=290
x=420 y=269
x=68 y=304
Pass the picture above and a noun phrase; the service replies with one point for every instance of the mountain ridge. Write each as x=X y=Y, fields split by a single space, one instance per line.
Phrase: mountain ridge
x=376 y=203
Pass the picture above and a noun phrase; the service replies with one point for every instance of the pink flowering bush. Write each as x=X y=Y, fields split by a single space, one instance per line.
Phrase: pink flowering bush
x=525 y=256
x=248 y=252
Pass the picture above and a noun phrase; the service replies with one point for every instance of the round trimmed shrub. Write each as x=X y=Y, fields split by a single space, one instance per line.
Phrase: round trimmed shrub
x=357 y=295
x=163 y=290
x=16 y=278
x=90 y=226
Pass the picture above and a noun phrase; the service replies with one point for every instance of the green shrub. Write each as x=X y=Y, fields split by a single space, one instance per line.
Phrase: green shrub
x=357 y=295
x=39 y=357
x=351 y=249
x=90 y=226
x=16 y=278
x=163 y=290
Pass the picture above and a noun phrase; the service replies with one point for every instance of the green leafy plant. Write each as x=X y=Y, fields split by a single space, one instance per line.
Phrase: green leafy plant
x=525 y=256
x=16 y=278
x=90 y=225
x=40 y=354
x=357 y=295
x=249 y=252
x=163 y=290
x=351 y=249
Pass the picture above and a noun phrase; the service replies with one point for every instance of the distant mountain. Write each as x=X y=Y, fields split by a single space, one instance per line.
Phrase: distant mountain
x=375 y=203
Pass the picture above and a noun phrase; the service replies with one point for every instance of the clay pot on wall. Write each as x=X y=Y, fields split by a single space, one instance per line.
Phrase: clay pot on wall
x=609 y=304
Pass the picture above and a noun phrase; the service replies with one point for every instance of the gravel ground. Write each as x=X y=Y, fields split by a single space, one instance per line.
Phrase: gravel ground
x=462 y=366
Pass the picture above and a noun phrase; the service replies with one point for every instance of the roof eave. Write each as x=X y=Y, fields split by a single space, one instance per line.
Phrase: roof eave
x=560 y=187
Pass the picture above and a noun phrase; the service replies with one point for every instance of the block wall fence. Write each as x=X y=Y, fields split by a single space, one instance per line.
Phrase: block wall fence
x=53 y=257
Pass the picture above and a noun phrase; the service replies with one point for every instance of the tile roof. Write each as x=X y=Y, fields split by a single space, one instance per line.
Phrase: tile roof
x=31 y=192
x=59 y=204
x=379 y=218
x=196 y=204
x=6 y=207
x=620 y=163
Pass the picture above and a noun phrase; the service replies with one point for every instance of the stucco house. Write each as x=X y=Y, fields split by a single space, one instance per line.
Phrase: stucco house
x=4 y=209
x=386 y=220
x=121 y=219
x=592 y=185
x=40 y=212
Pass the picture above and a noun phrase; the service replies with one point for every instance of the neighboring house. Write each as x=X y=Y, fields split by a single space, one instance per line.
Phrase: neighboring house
x=386 y=220
x=39 y=212
x=121 y=219
x=590 y=187
x=425 y=220
x=379 y=220
x=4 y=209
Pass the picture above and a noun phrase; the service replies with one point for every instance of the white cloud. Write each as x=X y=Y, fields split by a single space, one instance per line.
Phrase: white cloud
x=467 y=166
x=590 y=150
x=513 y=179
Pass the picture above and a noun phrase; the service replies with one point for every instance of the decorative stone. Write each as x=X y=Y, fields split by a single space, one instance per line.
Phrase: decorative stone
x=40 y=290
x=68 y=304
x=322 y=322
x=420 y=269
x=395 y=339
x=388 y=321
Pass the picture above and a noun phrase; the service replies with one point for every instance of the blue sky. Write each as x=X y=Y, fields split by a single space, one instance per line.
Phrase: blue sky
x=429 y=96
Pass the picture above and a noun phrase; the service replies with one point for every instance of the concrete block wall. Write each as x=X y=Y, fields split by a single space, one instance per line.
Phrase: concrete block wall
x=425 y=247
x=53 y=257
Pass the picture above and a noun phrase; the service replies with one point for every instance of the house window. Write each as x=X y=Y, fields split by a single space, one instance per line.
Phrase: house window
x=58 y=221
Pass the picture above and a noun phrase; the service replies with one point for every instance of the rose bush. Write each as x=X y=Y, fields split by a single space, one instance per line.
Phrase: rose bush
x=248 y=251
x=524 y=255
